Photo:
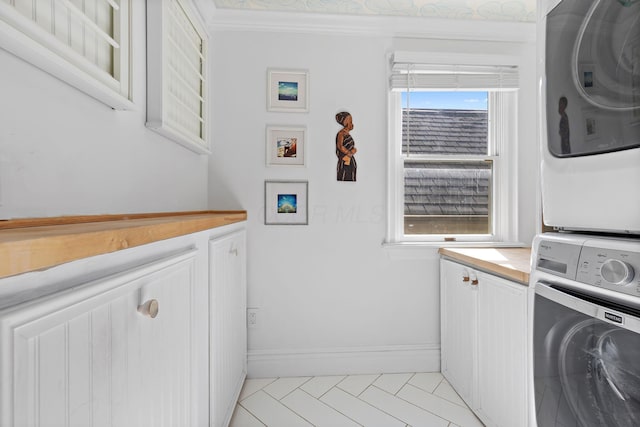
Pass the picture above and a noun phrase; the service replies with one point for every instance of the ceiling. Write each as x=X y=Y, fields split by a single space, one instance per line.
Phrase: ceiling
x=488 y=10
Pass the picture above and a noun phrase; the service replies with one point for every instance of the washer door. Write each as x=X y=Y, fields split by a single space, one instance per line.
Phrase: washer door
x=599 y=374
x=586 y=371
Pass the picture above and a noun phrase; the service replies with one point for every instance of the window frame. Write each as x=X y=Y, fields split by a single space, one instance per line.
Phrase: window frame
x=502 y=137
x=27 y=40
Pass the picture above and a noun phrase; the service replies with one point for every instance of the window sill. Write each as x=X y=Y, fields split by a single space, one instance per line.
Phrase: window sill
x=429 y=250
x=439 y=244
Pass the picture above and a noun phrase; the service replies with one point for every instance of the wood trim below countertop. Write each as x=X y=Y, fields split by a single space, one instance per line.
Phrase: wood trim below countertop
x=510 y=263
x=34 y=244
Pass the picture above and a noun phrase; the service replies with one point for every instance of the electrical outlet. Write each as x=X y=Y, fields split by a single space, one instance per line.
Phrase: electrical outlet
x=252 y=318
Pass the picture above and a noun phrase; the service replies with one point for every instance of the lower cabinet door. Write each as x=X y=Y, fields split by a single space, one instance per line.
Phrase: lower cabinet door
x=458 y=328
x=228 y=339
x=113 y=352
x=502 y=352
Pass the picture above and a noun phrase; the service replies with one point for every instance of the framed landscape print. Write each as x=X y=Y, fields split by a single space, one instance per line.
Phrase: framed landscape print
x=288 y=90
x=286 y=202
x=286 y=145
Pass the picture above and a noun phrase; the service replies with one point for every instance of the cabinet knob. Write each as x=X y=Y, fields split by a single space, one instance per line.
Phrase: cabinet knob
x=474 y=279
x=465 y=278
x=149 y=308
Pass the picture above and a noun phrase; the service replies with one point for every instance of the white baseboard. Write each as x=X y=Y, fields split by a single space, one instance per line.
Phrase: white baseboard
x=343 y=361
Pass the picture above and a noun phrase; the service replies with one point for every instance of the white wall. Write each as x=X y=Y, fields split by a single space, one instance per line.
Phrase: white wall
x=64 y=153
x=331 y=298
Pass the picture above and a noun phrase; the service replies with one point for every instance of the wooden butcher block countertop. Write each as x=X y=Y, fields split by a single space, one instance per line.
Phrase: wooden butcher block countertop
x=510 y=263
x=33 y=244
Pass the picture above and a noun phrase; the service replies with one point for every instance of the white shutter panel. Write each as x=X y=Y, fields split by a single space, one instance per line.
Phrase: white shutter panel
x=58 y=35
x=177 y=63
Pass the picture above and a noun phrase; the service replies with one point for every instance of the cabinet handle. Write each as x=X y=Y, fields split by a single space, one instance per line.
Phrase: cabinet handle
x=149 y=308
x=474 y=282
x=234 y=251
x=465 y=278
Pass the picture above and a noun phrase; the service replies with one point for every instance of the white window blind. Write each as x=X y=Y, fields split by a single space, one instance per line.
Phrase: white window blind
x=177 y=85
x=407 y=74
x=63 y=36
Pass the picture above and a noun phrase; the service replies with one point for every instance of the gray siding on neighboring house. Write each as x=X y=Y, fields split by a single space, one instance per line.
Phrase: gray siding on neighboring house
x=446 y=188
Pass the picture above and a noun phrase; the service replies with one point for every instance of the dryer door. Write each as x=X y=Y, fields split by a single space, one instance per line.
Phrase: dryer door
x=592 y=69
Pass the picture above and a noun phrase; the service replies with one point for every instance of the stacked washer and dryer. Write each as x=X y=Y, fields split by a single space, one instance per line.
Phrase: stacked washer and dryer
x=585 y=276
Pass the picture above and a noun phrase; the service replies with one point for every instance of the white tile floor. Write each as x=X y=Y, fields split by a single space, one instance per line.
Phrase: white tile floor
x=386 y=400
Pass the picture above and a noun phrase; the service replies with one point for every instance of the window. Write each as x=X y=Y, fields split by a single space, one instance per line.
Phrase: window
x=84 y=43
x=452 y=144
x=176 y=73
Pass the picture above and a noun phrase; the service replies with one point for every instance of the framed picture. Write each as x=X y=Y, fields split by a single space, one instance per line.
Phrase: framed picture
x=586 y=74
x=591 y=125
x=286 y=145
x=288 y=90
x=286 y=202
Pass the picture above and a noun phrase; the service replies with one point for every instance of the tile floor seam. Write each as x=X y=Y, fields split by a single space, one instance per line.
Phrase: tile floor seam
x=463 y=405
x=376 y=379
x=375 y=407
x=355 y=375
x=413 y=404
x=252 y=414
x=382 y=410
x=279 y=399
x=427 y=410
x=249 y=395
x=335 y=409
x=293 y=410
x=330 y=388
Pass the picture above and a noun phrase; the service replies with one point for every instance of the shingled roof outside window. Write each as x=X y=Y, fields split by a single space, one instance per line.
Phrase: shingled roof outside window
x=441 y=196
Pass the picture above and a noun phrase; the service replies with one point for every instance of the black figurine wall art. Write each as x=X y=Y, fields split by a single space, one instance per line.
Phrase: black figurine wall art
x=345 y=148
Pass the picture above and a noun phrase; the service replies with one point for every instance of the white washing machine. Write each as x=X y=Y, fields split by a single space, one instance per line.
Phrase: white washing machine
x=585 y=367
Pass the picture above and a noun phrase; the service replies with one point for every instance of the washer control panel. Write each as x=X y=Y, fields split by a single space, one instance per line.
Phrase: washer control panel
x=610 y=263
x=615 y=269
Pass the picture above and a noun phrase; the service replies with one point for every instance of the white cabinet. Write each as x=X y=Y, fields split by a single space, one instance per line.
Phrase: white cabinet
x=502 y=352
x=228 y=340
x=89 y=356
x=458 y=307
x=484 y=343
x=80 y=346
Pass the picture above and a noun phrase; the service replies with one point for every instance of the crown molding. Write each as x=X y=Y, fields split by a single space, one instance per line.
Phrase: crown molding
x=379 y=26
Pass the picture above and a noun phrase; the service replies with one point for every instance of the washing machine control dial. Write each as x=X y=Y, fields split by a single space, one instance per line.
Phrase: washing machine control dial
x=617 y=272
